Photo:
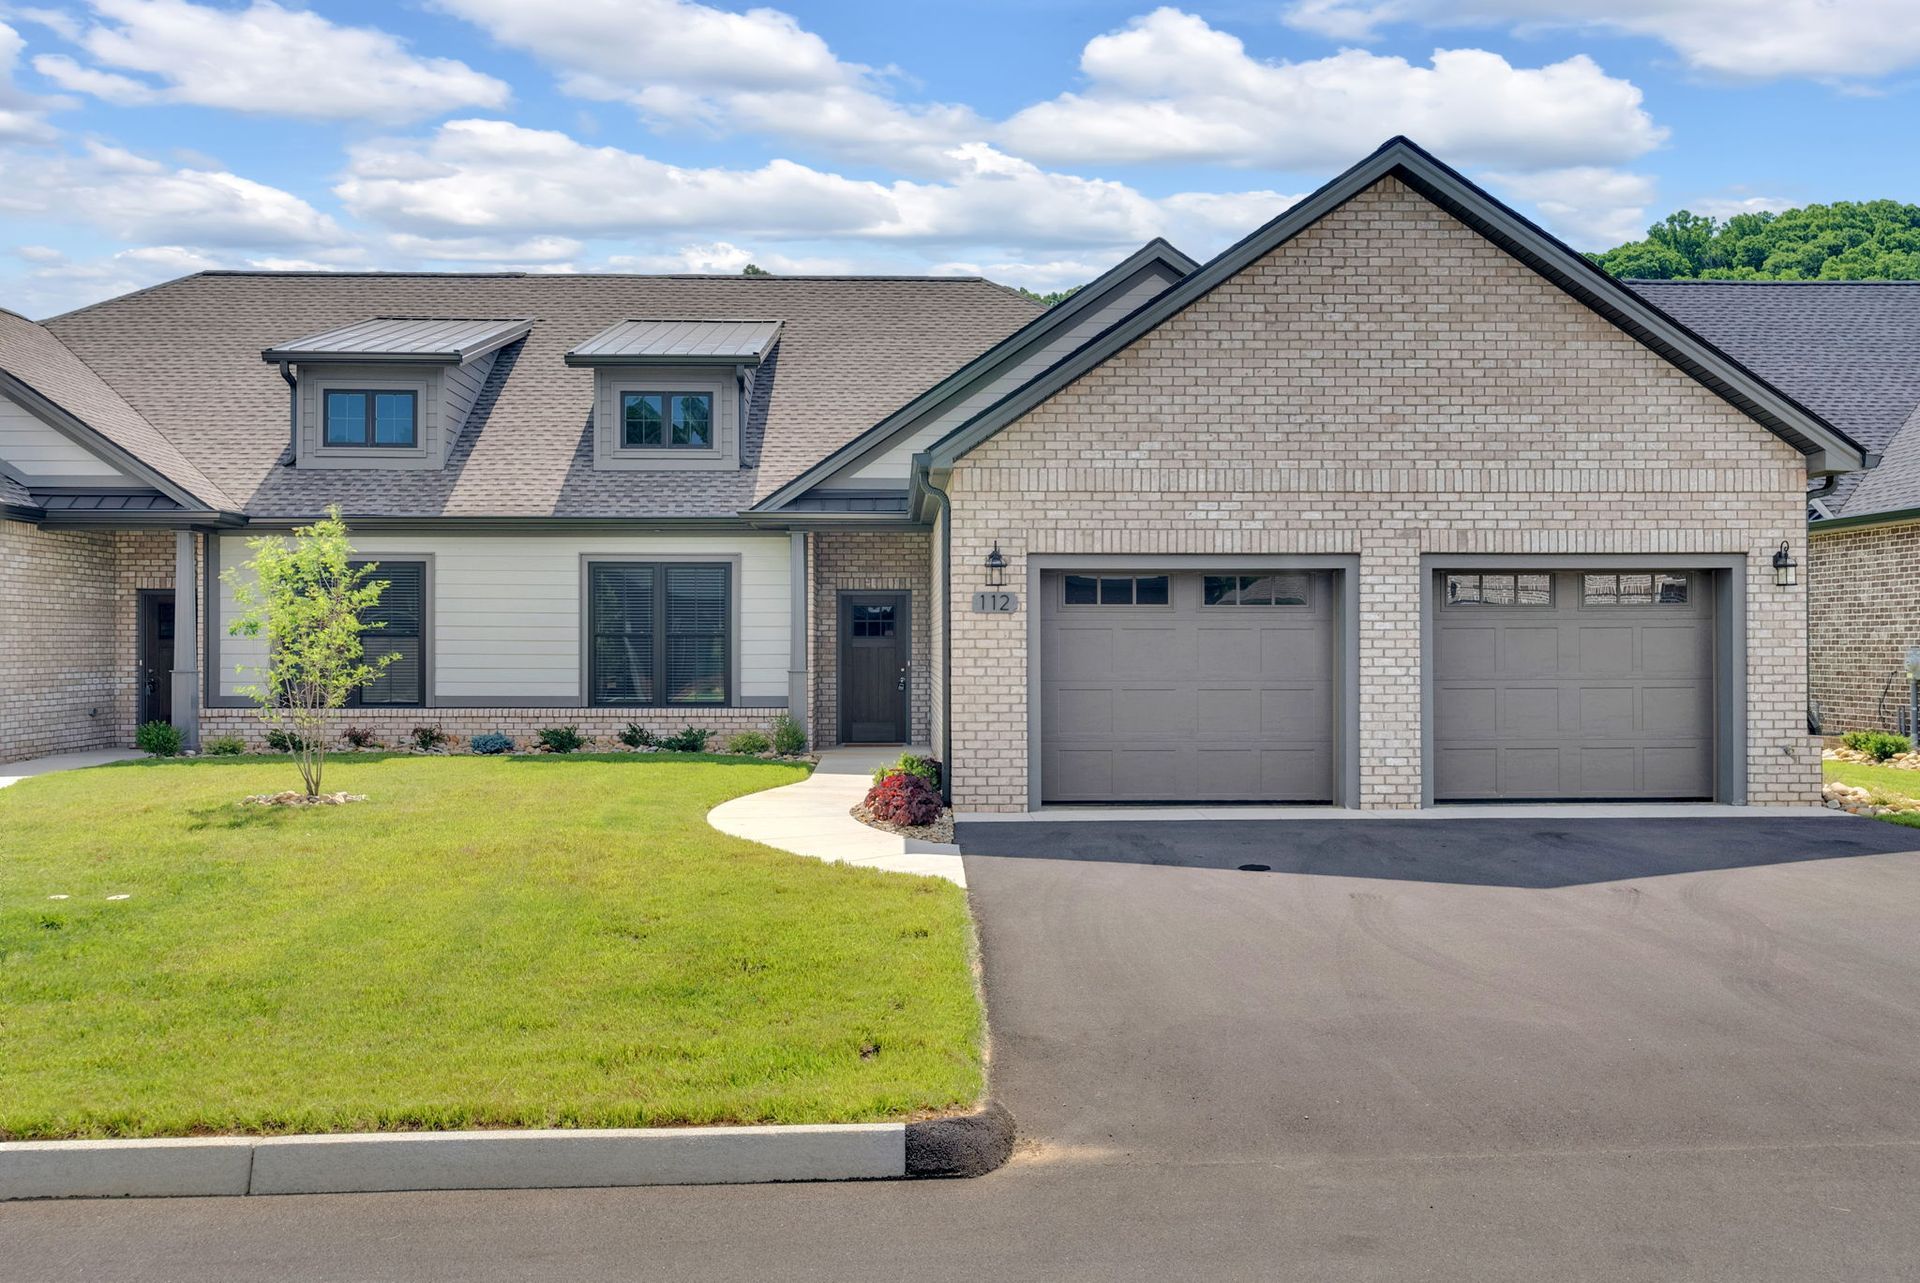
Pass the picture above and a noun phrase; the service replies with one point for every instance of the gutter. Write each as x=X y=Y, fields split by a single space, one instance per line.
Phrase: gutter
x=1891 y=517
x=293 y=412
x=924 y=484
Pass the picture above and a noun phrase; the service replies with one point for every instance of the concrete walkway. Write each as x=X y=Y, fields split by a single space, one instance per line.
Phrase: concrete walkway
x=813 y=818
x=14 y=772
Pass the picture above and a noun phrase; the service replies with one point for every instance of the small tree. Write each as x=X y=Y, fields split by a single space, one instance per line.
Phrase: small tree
x=305 y=598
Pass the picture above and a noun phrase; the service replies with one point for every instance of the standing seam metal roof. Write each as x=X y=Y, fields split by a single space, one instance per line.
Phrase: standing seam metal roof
x=745 y=342
x=428 y=338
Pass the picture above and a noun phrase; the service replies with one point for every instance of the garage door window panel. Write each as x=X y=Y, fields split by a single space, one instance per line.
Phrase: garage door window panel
x=1115 y=590
x=1521 y=589
x=1273 y=589
x=1664 y=588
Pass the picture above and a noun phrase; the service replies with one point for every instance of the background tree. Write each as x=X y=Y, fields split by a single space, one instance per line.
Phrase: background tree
x=754 y=269
x=306 y=599
x=1876 y=240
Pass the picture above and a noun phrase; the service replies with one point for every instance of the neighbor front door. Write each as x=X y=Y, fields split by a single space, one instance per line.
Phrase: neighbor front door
x=874 y=668
x=156 y=657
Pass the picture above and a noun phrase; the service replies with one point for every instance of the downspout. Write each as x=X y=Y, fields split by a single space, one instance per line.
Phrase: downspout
x=293 y=412
x=946 y=633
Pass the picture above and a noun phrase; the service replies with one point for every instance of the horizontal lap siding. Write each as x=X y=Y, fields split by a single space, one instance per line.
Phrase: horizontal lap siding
x=506 y=610
x=32 y=449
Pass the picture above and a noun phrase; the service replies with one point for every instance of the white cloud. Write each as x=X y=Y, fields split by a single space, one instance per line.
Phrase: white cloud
x=1738 y=39
x=483 y=249
x=133 y=198
x=1169 y=87
x=684 y=63
x=1725 y=206
x=1589 y=207
x=22 y=116
x=723 y=258
x=262 y=60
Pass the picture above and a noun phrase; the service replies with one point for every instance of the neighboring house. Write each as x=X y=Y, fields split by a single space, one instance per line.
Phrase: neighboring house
x=1849 y=350
x=1398 y=500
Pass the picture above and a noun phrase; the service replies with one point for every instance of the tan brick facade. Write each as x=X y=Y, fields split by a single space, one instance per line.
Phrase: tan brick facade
x=68 y=624
x=394 y=726
x=852 y=561
x=1387 y=384
x=1864 y=615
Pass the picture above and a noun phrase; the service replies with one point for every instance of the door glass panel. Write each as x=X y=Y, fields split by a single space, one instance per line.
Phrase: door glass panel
x=873 y=621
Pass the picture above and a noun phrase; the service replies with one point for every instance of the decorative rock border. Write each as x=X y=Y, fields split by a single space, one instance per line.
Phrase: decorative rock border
x=384 y=1162
x=1859 y=801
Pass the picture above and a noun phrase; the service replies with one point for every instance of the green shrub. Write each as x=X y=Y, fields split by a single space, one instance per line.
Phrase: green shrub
x=1879 y=745
x=225 y=746
x=285 y=741
x=749 y=744
x=428 y=738
x=159 y=739
x=788 y=739
x=691 y=740
x=926 y=769
x=561 y=739
x=360 y=737
x=638 y=736
x=492 y=743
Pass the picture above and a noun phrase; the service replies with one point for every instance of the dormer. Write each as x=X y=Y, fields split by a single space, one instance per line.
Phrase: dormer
x=671 y=395
x=390 y=392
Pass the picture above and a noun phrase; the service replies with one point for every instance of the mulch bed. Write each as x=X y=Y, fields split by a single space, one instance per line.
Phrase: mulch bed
x=941 y=830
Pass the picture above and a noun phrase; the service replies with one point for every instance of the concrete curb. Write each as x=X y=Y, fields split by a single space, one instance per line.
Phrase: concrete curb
x=380 y=1162
x=971 y=1145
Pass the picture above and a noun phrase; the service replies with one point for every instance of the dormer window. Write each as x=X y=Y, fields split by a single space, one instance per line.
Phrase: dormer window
x=666 y=420
x=372 y=417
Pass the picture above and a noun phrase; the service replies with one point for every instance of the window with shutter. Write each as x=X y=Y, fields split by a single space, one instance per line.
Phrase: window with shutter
x=659 y=633
x=397 y=626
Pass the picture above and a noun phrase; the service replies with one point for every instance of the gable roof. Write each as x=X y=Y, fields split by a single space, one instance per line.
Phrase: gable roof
x=409 y=340
x=186 y=356
x=1827 y=448
x=42 y=374
x=1008 y=352
x=1849 y=350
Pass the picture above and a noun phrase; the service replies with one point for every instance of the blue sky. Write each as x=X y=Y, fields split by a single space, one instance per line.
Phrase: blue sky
x=1032 y=142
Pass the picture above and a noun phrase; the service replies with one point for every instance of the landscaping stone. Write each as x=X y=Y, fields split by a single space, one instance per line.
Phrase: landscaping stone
x=293 y=797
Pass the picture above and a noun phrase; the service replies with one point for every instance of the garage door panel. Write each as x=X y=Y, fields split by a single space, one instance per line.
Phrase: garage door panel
x=1529 y=712
x=1588 y=694
x=1604 y=651
x=1186 y=702
x=1529 y=652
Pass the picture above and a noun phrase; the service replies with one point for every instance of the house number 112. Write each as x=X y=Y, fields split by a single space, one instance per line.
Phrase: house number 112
x=995 y=603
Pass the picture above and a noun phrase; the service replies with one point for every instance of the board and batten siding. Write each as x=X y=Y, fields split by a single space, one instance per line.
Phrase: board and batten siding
x=32 y=450
x=505 y=622
x=894 y=467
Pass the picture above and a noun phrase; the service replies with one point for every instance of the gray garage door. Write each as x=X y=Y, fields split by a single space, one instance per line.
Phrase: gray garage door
x=1187 y=687
x=1573 y=685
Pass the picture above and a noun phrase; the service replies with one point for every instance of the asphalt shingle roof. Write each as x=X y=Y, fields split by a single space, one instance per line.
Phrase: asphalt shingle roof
x=186 y=355
x=1847 y=350
x=34 y=355
x=13 y=492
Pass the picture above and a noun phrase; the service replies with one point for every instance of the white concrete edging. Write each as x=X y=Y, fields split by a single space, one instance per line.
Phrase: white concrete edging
x=379 y=1162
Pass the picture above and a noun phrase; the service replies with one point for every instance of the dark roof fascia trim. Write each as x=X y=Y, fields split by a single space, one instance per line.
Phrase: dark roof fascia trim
x=93 y=519
x=677 y=362
x=389 y=524
x=1826 y=447
x=21 y=512
x=835 y=520
x=962 y=381
x=76 y=429
x=459 y=356
x=1891 y=517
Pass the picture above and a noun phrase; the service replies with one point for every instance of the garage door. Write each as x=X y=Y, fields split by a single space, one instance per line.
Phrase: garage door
x=1187 y=687
x=1596 y=684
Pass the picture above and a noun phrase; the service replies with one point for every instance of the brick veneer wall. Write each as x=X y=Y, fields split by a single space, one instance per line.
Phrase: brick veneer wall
x=68 y=635
x=1864 y=613
x=868 y=560
x=394 y=726
x=1386 y=384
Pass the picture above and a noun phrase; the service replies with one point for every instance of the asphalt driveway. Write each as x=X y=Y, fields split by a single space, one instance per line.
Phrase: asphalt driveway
x=1450 y=987
x=1436 y=1050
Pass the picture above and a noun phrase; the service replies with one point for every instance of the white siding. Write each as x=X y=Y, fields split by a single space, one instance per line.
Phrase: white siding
x=506 y=609
x=34 y=451
x=893 y=468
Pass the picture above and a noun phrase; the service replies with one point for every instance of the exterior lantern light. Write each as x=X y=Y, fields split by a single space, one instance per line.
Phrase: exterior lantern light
x=996 y=567
x=1783 y=567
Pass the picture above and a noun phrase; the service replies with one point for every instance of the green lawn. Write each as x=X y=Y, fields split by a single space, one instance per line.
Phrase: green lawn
x=486 y=942
x=1881 y=781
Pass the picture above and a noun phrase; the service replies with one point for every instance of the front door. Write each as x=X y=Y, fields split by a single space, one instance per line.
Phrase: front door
x=156 y=657
x=874 y=668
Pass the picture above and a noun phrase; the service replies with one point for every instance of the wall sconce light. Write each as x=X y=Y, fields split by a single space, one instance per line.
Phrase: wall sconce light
x=996 y=567
x=1783 y=567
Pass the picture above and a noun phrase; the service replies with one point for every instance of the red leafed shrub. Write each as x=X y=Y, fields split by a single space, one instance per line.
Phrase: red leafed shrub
x=903 y=799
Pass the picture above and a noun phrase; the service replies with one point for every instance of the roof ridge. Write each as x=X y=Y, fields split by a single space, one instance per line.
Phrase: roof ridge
x=1712 y=280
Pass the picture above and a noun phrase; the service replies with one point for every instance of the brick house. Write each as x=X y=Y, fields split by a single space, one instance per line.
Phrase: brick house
x=1397 y=501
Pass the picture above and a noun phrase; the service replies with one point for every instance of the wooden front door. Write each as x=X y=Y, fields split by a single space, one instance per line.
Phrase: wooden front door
x=155 y=656
x=875 y=668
